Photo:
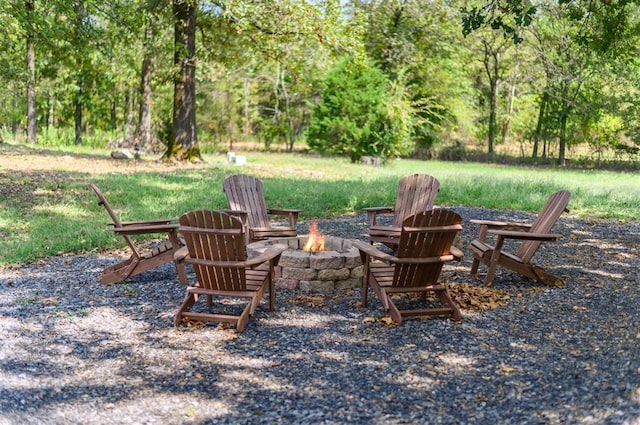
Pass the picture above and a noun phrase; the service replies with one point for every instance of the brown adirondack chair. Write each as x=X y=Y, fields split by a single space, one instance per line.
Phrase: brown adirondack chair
x=425 y=245
x=140 y=260
x=531 y=235
x=246 y=199
x=215 y=247
x=416 y=193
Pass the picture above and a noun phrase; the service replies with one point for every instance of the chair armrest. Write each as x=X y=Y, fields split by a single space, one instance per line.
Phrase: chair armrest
x=149 y=222
x=181 y=254
x=485 y=225
x=269 y=254
x=240 y=215
x=144 y=229
x=289 y=212
x=372 y=251
x=457 y=253
x=379 y=209
x=510 y=234
x=236 y=212
x=501 y=224
x=283 y=211
x=372 y=213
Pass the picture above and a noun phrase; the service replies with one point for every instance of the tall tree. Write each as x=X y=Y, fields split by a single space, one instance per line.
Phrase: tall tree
x=183 y=143
x=493 y=50
x=80 y=16
x=569 y=64
x=31 y=82
x=144 y=134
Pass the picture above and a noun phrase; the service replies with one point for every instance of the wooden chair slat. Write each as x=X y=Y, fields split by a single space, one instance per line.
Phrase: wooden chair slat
x=416 y=193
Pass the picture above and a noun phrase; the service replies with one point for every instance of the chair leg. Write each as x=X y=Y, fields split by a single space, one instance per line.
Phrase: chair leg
x=244 y=318
x=365 y=291
x=119 y=272
x=493 y=262
x=395 y=314
x=446 y=300
x=182 y=273
x=474 y=266
x=272 y=288
x=491 y=271
x=365 y=280
x=188 y=302
x=547 y=278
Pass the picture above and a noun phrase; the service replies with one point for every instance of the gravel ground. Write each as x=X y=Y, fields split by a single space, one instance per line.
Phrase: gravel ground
x=76 y=352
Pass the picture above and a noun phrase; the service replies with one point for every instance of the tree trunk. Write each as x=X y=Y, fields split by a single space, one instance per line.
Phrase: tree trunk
x=493 y=107
x=183 y=143
x=564 y=116
x=113 y=115
x=491 y=62
x=287 y=109
x=80 y=12
x=78 y=113
x=537 y=135
x=246 y=123
x=506 y=122
x=51 y=111
x=31 y=83
x=143 y=131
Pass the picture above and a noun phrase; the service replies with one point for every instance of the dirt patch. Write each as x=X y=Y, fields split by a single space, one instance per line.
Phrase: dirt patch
x=33 y=160
x=26 y=170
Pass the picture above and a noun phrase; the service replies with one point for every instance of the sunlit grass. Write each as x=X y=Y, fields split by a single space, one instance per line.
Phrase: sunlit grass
x=63 y=216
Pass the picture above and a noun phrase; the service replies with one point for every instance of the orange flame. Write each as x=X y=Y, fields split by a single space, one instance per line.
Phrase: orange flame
x=315 y=241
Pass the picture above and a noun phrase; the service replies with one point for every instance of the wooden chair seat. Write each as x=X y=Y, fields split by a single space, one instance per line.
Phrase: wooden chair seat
x=157 y=250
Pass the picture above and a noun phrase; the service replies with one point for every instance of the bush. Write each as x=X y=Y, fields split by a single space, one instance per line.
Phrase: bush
x=356 y=116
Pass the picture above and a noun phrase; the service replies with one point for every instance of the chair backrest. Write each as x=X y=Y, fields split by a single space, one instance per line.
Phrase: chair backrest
x=216 y=237
x=426 y=235
x=245 y=193
x=416 y=193
x=114 y=217
x=547 y=218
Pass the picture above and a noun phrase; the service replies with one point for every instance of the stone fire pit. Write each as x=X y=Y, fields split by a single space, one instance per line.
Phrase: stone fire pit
x=337 y=267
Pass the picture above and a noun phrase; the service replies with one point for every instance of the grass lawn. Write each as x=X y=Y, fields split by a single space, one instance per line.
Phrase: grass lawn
x=46 y=207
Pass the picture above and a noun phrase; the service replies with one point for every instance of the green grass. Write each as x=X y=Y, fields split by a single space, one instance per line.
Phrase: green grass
x=45 y=213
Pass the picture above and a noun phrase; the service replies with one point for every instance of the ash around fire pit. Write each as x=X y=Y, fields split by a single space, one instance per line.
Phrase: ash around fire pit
x=338 y=266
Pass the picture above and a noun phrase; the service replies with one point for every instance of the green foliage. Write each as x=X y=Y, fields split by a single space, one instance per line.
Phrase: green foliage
x=509 y=16
x=259 y=63
x=359 y=114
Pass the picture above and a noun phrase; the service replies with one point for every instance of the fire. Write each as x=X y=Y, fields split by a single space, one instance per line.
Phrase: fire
x=315 y=242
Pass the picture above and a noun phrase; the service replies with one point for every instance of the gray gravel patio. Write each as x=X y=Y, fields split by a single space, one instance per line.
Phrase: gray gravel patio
x=76 y=352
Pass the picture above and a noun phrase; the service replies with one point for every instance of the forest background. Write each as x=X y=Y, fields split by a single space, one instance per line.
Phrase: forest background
x=456 y=80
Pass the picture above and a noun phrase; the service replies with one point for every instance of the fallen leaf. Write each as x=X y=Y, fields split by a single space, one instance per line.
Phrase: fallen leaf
x=508 y=369
x=383 y=319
